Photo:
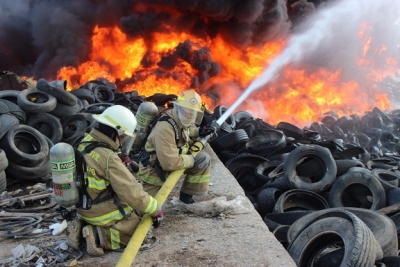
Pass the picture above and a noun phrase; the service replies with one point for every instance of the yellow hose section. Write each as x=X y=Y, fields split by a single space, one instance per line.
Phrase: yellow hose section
x=140 y=233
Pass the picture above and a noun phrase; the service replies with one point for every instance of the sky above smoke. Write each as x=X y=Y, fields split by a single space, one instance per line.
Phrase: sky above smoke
x=41 y=36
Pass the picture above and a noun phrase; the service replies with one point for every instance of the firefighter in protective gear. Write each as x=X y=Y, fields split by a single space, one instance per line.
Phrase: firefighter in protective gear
x=167 y=146
x=111 y=223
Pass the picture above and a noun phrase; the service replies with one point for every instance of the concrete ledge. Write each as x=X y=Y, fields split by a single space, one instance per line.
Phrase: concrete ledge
x=238 y=240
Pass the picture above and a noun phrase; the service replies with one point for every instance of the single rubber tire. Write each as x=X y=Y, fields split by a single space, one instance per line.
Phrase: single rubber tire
x=317 y=184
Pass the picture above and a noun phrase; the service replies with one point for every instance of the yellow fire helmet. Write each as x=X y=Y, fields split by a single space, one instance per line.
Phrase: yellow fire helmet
x=119 y=118
x=189 y=107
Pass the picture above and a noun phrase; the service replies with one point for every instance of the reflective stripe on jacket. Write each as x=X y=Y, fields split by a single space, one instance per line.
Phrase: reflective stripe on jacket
x=107 y=218
x=105 y=169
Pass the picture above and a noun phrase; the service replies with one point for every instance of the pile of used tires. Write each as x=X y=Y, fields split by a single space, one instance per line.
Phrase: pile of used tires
x=34 y=119
x=329 y=192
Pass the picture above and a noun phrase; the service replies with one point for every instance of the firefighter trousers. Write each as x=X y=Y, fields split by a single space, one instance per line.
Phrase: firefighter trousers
x=117 y=236
x=196 y=181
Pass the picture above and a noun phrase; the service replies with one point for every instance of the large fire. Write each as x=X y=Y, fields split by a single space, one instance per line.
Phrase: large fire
x=114 y=56
x=299 y=96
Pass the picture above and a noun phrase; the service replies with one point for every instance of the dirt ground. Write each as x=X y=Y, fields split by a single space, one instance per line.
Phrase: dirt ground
x=186 y=238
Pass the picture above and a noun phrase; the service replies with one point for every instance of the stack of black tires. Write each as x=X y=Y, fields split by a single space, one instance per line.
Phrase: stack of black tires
x=34 y=119
x=329 y=192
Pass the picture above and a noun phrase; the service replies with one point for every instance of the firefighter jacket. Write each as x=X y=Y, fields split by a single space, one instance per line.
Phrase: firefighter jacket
x=170 y=153
x=105 y=171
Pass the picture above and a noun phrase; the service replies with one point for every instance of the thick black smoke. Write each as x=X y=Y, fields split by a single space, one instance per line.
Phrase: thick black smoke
x=301 y=9
x=41 y=36
x=38 y=37
x=240 y=22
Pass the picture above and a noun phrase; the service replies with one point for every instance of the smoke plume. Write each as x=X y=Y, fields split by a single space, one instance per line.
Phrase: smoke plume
x=41 y=36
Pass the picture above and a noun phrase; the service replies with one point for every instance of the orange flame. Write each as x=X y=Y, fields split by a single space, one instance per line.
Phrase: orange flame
x=300 y=97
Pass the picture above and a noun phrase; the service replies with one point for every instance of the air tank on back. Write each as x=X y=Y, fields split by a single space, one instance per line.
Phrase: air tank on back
x=145 y=114
x=63 y=168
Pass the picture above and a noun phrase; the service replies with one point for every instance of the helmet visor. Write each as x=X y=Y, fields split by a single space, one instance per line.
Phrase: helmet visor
x=187 y=116
x=188 y=113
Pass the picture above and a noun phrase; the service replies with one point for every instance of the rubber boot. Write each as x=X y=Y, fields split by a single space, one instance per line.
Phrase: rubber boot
x=92 y=241
x=186 y=198
x=75 y=234
x=149 y=242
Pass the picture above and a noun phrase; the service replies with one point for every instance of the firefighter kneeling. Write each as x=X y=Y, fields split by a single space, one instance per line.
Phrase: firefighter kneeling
x=112 y=219
x=167 y=146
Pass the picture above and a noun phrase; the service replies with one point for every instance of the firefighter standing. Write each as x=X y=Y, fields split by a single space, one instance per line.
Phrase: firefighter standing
x=167 y=146
x=111 y=222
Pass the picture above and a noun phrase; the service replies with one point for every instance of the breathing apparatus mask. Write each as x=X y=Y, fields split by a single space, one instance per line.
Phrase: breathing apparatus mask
x=189 y=108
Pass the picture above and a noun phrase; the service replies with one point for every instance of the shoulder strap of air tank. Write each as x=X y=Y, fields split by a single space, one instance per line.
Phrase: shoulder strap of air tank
x=171 y=121
x=85 y=201
x=105 y=195
x=92 y=145
x=163 y=116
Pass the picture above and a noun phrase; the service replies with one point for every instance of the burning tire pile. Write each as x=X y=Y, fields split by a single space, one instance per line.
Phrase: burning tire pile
x=328 y=192
x=323 y=190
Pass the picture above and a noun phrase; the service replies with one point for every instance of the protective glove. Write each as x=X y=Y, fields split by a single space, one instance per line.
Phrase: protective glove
x=157 y=220
x=206 y=130
x=124 y=158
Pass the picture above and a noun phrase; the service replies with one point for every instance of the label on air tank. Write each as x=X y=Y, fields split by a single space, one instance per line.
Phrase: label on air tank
x=63 y=166
x=63 y=177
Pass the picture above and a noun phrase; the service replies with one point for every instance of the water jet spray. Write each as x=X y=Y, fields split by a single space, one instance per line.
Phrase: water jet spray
x=320 y=30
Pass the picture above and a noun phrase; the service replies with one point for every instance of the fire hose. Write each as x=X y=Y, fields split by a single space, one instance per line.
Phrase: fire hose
x=138 y=236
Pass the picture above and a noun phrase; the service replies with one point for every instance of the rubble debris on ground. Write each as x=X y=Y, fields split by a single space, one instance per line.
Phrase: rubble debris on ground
x=217 y=206
x=56 y=254
x=26 y=215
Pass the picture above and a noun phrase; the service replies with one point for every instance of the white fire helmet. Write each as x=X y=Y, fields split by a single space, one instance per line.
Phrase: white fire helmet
x=189 y=107
x=119 y=118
